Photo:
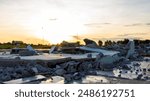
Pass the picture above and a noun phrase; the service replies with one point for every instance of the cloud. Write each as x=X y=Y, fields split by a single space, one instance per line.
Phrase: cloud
x=53 y=19
x=131 y=34
x=148 y=24
x=91 y=24
x=137 y=24
x=96 y=24
x=132 y=25
x=77 y=37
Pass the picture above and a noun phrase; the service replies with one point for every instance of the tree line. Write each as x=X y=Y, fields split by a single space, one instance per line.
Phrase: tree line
x=124 y=42
x=20 y=44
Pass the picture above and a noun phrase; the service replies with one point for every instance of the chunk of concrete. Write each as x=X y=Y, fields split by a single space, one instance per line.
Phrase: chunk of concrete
x=131 y=50
x=52 y=49
x=30 y=48
x=60 y=71
x=90 y=43
x=54 y=80
x=109 y=59
x=35 y=70
x=25 y=80
x=92 y=79
x=27 y=53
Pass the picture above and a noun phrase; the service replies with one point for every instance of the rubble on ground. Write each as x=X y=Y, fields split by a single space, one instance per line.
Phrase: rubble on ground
x=132 y=63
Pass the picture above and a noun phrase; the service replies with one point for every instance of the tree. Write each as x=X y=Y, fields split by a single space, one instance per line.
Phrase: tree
x=100 y=43
x=108 y=43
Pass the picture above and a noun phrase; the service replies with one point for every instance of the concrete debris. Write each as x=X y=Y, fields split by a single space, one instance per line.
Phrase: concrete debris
x=92 y=79
x=60 y=71
x=131 y=49
x=89 y=55
x=25 y=80
x=52 y=49
x=90 y=43
x=109 y=59
x=54 y=80
x=35 y=70
x=68 y=77
x=27 y=53
x=77 y=76
x=18 y=58
x=99 y=56
x=30 y=48
x=129 y=63
x=58 y=80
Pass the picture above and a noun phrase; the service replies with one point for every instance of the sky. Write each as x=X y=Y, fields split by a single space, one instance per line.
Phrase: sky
x=52 y=21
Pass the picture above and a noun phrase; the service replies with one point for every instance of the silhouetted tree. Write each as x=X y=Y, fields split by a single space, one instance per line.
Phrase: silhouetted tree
x=100 y=43
x=108 y=43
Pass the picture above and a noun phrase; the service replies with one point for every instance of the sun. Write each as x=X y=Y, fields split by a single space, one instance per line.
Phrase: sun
x=57 y=29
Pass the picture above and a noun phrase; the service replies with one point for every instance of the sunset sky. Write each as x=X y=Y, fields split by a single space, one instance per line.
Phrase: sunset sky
x=56 y=20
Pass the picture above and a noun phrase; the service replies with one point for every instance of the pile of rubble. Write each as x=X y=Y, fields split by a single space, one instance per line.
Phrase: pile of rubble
x=121 y=64
x=71 y=70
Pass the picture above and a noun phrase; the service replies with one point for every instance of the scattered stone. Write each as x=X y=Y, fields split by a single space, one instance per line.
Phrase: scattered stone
x=42 y=69
x=89 y=55
x=60 y=71
x=71 y=69
x=107 y=67
x=91 y=73
x=139 y=77
x=119 y=75
x=99 y=56
x=5 y=77
x=77 y=76
x=125 y=66
x=136 y=64
x=68 y=77
x=136 y=73
x=126 y=71
x=144 y=69
x=17 y=58
x=35 y=70
x=120 y=72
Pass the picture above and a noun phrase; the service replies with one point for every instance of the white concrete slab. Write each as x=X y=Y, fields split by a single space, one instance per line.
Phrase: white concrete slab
x=54 y=80
x=94 y=79
x=25 y=80
x=105 y=52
